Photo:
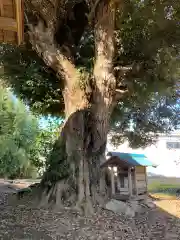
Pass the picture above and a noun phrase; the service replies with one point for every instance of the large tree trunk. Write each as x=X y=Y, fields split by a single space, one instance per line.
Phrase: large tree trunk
x=74 y=176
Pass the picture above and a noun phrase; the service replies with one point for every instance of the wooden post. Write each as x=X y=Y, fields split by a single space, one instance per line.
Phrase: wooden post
x=12 y=25
x=118 y=179
x=146 y=178
x=130 y=181
x=112 y=181
x=19 y=20
x=1 y=9
x=135 y=182
x=102 y=181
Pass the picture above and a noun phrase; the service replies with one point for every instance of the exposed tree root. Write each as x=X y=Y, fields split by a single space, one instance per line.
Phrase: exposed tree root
x=59 y=196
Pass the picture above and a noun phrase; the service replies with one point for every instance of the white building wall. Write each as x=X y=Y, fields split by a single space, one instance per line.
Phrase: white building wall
x=168 y=160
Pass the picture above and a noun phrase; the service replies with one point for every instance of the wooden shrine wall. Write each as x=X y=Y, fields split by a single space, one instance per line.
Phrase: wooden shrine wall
x=11 y=21
x=141 y=179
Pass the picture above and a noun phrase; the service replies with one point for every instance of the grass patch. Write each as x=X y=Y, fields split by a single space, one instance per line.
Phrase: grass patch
x=169 y=189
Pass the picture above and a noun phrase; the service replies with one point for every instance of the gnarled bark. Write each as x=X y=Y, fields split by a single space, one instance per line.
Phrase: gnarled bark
x=83 y=137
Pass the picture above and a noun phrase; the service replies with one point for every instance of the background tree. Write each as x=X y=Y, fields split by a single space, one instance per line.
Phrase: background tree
x=48 y=134
x=18 y=132
x=104 y=61
x=25 y=143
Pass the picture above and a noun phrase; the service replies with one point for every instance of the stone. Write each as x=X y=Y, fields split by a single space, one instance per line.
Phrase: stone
x=178 y=193
x=171 y=236
x=120 y=208
x=149 y=203
x=135 y=206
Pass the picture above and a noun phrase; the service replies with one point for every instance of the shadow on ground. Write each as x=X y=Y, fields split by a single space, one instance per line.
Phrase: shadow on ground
x=22 y=221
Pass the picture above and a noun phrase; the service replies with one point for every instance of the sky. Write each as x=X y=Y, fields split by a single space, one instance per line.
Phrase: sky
x=45 y=122
x=167 y=160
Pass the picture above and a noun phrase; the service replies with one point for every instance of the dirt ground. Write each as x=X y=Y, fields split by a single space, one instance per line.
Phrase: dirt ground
x=168 y=203
x=22 y=221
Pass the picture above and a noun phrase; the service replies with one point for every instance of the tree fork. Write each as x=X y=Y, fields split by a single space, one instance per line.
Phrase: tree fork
x=85 y=131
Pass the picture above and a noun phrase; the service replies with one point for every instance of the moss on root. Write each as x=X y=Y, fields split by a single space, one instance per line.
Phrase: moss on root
x=57 y=164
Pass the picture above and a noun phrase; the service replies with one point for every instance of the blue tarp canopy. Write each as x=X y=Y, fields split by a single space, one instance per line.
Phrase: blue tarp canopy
x=131 y=159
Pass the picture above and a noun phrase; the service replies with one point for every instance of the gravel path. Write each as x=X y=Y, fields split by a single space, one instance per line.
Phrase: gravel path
x=23 y=222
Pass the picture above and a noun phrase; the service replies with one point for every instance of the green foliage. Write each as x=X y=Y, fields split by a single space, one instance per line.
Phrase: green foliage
x=148 y=40
x=32 y=81
x=24 y=145
x=44 y=144
x=57 y=166
x=147 y=43
x=18 y=132
x=170 y=189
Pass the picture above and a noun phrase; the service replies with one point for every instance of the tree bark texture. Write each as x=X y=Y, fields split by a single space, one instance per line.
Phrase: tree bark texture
x=74 y=176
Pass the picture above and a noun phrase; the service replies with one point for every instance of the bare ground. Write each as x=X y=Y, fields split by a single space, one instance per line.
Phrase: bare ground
x=24 y=222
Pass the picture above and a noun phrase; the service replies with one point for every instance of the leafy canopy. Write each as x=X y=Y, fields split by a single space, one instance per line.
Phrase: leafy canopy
x=146 y=62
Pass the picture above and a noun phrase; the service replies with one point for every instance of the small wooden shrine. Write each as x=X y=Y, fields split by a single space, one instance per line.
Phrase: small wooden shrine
x=126 y=174
x=11 y=21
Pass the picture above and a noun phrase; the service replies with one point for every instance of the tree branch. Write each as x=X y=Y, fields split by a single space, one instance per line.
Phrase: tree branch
x=91 y=15
x=94 y=6
x=59 y=60
x=104 y=79
x=104 y=49
x=43 y=8
x=120 y=94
